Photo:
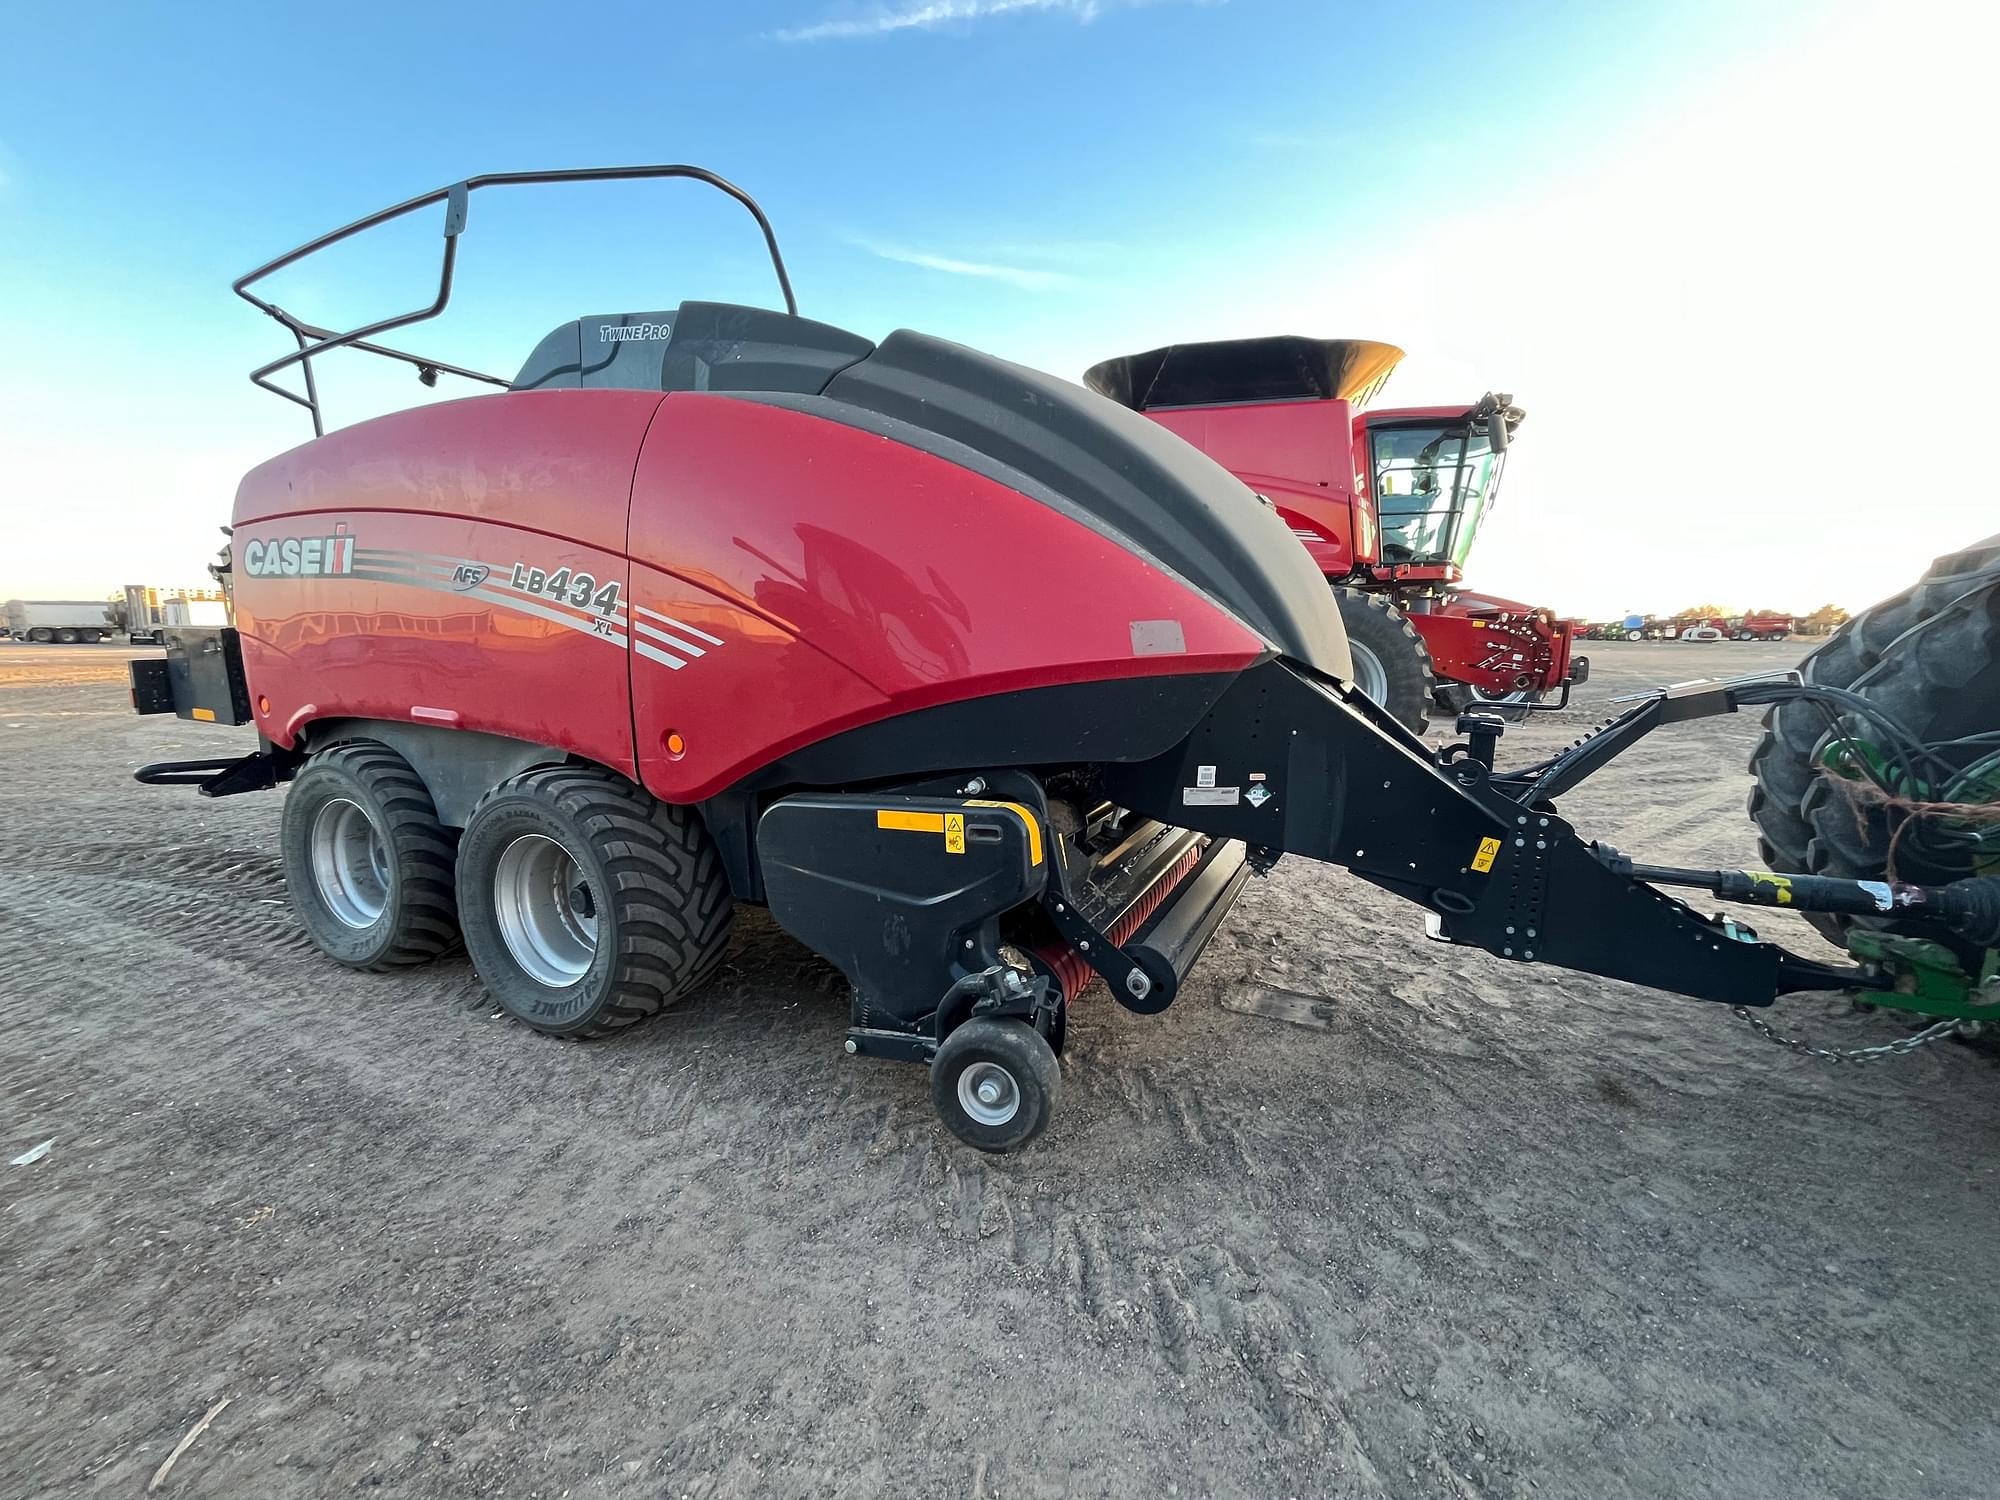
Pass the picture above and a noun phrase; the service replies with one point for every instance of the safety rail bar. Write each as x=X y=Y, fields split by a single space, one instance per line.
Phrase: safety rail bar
x=314 y=340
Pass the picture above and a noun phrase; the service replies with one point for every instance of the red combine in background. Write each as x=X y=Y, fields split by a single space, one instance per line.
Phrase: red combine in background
x=1387 y=503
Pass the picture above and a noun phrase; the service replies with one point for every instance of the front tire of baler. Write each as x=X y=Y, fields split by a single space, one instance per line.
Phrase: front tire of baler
x=1392 y=665
x=995 y=1083
x=588 y=905
x=367 y=862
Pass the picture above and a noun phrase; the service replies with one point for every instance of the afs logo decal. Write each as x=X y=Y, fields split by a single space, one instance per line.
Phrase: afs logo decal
x=469 y=576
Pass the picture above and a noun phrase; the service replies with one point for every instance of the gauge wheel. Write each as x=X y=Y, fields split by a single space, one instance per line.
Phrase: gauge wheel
x=995 y=1083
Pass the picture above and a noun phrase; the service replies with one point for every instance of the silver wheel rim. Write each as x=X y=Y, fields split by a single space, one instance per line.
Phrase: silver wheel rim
x=988 y=1093
x=546 y=909
x=1368 y=674
x=1485 y=695
x=350 y=863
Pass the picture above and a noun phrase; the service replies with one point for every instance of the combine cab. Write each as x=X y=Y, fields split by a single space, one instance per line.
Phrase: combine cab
x=1388 y=504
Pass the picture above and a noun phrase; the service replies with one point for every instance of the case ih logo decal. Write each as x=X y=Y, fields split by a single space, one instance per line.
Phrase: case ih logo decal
x=568 y=597
x=299 y=557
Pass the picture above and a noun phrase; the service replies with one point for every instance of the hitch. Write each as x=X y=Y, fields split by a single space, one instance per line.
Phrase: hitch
x=1491 y=860
x=1969 y=908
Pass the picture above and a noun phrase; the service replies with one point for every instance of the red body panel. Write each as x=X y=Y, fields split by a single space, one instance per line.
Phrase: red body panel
x=601 y=570
x=393 y=629
x=875 y=570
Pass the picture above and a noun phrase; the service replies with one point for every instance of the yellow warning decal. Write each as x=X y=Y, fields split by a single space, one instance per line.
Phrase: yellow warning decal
x=954 y=833
x=910 y=822
x=1489 y=849
x=1782 y=882
x=1034 y=828
x=206 y=715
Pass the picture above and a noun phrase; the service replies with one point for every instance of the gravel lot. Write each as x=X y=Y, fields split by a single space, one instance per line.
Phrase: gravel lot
x=1457 y=1229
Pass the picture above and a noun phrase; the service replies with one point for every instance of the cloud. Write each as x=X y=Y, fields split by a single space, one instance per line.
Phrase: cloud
x=1021 y=276
x=1062 y=252
x=929 y=15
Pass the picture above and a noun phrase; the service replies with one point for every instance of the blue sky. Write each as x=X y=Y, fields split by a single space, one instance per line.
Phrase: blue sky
x=1537 y=198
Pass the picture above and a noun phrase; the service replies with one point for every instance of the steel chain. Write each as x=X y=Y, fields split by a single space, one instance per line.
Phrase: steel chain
x=1897 y=1048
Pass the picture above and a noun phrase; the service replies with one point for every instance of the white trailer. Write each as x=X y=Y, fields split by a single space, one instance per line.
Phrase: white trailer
x=178 y=611
x=59 y=620
x=149 y=611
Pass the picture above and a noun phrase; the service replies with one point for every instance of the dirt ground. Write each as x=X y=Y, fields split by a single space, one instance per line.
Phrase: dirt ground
x=1461 y=1229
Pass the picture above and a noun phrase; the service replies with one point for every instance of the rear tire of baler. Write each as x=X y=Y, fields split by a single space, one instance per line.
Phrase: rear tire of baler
x=1888 y=652
x=1381 y=634
x=588 y=905
x=367 y=862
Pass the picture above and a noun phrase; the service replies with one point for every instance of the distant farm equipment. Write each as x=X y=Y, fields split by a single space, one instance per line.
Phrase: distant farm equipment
x=1387 y=503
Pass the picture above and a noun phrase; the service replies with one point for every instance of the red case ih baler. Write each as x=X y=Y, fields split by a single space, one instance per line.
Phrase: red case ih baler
x=982 y=683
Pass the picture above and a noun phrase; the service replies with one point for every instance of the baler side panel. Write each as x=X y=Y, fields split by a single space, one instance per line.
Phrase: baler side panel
x=717 y=688
x=863 y=575
x=459 y=564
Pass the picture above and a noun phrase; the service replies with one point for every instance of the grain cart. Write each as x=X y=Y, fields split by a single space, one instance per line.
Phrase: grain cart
x=983 y=684
x=1387 y=504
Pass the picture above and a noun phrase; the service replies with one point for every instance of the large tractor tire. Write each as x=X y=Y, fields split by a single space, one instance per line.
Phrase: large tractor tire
x=1930 y=657
x=368 y=863
x=588 y=905
x=1392 y=665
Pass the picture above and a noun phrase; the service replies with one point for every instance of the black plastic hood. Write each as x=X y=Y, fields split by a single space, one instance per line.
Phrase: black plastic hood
x=1124 y=476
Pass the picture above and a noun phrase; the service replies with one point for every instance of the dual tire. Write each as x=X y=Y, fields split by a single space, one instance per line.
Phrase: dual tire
x=586 y=904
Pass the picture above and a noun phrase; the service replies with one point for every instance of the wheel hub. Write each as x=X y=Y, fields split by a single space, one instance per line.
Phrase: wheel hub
x=1369 y=674
x=546 y=909
x=988 y=1093
x=350 y=863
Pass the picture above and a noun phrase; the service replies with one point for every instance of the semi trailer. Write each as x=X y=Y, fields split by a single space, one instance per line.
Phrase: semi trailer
x=59 y=621
x=983 y=684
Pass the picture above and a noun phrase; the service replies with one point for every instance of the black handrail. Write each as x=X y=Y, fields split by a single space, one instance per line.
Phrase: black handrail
x=314 y=340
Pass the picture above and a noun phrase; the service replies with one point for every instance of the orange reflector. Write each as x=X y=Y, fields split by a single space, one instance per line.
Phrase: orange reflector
x=206 y=715
x=263 y=704
x=676 y=746
x=910 y=822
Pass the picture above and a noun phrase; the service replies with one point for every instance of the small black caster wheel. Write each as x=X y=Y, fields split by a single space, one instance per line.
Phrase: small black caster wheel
x=995 y=1083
